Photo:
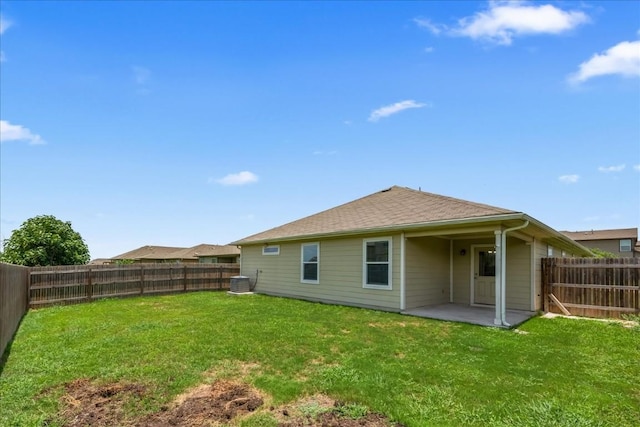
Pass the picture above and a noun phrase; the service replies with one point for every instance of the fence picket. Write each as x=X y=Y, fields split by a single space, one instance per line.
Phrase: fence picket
x=591 y=287
x=65 y=284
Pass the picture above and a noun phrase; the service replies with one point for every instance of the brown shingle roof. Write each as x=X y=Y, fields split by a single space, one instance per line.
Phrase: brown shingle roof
x=396 y=206
x=148 y=252
x=207 y=250
x=176 y=253
x=614 y=234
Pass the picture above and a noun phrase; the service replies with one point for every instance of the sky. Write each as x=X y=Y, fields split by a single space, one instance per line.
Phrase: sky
x=178 y=123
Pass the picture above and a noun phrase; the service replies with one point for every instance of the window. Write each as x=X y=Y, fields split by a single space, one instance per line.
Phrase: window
x=309 y=272
x=271 y=250
x=487 y=263
x=377 y=263
x=549 y=250
x=625 y=245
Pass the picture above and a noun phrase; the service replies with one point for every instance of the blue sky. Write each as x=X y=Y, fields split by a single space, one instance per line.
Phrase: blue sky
x=179 y=123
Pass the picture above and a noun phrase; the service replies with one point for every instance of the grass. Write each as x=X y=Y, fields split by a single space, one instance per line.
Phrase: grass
x=420 y=372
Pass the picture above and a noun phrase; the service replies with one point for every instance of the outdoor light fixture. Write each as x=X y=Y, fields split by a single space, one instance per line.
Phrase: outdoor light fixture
x=463 y=252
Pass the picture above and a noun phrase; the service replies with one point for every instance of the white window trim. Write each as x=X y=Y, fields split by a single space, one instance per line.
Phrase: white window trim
x=302 y=263
x=389 y=262
x=630 y=247
x=271 y=253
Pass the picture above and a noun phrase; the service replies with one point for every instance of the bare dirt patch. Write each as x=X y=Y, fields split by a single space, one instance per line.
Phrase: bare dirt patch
x=220 y=403
x=88 y=404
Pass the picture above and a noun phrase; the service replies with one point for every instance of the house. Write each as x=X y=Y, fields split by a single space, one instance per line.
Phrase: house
x=622 y=242
x=203 y=253
x=211 y=254
x=401 y=249
x=150 y=254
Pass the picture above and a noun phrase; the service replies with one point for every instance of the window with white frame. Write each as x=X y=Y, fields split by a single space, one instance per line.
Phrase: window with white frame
x=309 y=268
x=271 y=250
x=625 y=245
x=377 y=263
x=549 y=250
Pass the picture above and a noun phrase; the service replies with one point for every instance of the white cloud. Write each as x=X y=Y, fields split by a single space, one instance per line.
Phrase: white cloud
x=140 y=74
x=569 y=179
x=389 y=110
x=636 y=167
x=9 y=132
x=607 y=169
x=429 y=49
x=504 y=20
x=240 y=178
x=430 y=26
x=4 y=24
x=622 y=59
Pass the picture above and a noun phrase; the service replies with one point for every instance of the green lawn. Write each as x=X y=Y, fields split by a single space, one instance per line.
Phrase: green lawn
x=419 y=372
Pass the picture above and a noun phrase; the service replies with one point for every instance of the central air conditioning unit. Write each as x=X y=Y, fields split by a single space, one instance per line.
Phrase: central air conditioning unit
x=240 y=285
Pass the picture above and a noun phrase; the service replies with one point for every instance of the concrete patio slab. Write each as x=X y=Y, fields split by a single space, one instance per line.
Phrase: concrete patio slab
x=468 y=314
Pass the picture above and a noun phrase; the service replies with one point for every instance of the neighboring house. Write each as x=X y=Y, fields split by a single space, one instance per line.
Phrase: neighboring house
x=100 y=261
x=204 y=253
x=149 y=254
x=217 y=254
x=400 y=249
x=622 y=241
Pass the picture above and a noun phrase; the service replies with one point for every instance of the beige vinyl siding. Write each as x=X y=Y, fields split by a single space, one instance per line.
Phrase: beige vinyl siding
x=518 y=274
x=540 y=252
x=612 y=245
x=340 y=273
x=427 y=271
x=462 y=268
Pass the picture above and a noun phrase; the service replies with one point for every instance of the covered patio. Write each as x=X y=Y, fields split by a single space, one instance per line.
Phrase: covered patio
x=475 y=315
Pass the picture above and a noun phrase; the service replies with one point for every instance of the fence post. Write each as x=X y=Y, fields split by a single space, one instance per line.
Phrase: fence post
x=184 y=278
x=89 y=286
x=545 y=283
x=220 y=268
x=141 y=279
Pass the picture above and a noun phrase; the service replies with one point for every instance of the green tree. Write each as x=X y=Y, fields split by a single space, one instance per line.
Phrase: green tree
x=45 y=240
x=600 y=253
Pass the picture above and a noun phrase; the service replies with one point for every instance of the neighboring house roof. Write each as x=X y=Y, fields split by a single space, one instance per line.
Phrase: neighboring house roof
x=614 y=234
x=175 y=253
x=207 y=250
x=149 y=252
x=390 y=208
x=217 y=250
x=100 y=261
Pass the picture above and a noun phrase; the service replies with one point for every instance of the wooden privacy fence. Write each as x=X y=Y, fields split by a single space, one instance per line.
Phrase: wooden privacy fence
x=14 y=296
x=593 y=287
x=79 y=283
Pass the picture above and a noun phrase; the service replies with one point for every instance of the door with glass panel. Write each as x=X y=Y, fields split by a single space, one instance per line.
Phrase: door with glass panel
x=484 y=291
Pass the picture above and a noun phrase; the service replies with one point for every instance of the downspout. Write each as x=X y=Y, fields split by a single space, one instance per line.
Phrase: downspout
x=403 y=302
x=503 y=273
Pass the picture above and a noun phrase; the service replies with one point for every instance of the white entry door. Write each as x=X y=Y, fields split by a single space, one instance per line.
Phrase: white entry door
x=484 y=276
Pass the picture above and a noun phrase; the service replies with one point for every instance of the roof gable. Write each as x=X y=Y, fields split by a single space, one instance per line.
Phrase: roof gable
x=393 y=207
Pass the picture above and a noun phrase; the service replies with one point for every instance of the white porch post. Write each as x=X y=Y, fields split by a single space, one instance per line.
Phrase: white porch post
x=403 y=291
x=498 y=285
